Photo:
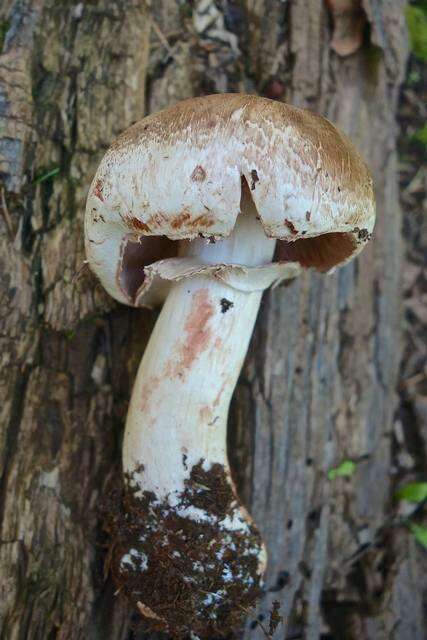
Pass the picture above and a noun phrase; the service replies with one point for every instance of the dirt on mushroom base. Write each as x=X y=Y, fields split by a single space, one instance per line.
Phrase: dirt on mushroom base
x=188 y=567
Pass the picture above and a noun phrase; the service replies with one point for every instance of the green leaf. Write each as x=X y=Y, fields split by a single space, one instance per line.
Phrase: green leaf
x=414 y=77
x=419 y=532
x=422 y=4
x=416 y=19
x=421 y=135
x=50 y=174
x=413 y=492
x=344 y=470
x=4 y=28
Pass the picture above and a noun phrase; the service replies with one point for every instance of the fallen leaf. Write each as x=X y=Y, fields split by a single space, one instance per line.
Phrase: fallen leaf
x=419 y=532
x=344 y=470
x=413 y=492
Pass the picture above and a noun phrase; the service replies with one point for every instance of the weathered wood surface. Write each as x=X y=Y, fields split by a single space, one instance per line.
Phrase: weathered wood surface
x=320 y=378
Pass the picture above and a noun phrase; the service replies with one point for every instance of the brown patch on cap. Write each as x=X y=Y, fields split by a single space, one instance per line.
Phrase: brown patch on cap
x=97 y=190
x=199 y=174
x=139 y=226
x=181 y=220
x=184 y=220
x=204 y=220
x=156 y=221
x=316 y=141
x=291 y=227
x=160 y=222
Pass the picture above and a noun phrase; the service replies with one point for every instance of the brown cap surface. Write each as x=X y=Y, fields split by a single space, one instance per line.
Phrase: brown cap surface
x=178 y=174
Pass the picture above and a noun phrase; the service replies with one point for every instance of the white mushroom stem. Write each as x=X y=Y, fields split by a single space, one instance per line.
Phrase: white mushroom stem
x=179 y=405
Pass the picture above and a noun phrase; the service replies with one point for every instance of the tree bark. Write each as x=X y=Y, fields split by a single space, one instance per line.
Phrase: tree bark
x=319 y=383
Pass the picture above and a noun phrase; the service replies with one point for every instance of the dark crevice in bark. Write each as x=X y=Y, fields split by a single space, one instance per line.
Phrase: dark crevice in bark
x=12 y=433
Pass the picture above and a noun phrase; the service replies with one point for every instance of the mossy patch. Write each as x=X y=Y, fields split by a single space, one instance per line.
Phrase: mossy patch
x=416 y=19
x=4 y=28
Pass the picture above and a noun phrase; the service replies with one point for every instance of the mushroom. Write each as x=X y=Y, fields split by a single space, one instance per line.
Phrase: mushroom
x=202 y=206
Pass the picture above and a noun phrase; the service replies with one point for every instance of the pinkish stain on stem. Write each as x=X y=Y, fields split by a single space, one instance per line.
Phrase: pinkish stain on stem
x=197 y=334
x=197 y=328
x=147 y=392
x=197 y=337
x=225 y=384
x=205 y=414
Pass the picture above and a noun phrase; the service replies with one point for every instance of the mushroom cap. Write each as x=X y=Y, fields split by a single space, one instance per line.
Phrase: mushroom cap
x=178 y=174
